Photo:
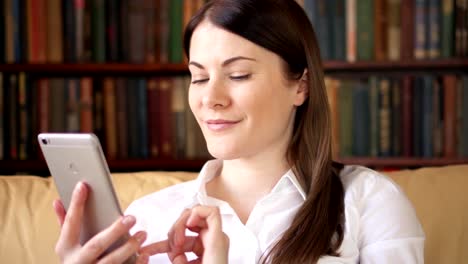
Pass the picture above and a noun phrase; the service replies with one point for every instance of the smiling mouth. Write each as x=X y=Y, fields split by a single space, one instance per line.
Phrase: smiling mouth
x=220 y=125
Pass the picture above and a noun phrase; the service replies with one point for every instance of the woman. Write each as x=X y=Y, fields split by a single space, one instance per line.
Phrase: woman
x=273 y=193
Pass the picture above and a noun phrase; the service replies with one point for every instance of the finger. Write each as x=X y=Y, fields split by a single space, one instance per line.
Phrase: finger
x=205 y=217
x=156 y=248
x=176 y=235
x=103 y=240
x=71 y=228
x=178 y=257
x=142 y=259
x=125 y=251
x=59 y=211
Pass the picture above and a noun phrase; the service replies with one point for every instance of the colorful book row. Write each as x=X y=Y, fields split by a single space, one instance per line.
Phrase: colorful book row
x=351 y=30
x=55 y=31
x=135 y=118
x=410 y=116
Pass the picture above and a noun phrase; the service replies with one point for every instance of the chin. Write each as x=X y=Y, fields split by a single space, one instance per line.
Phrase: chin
x=223 y=152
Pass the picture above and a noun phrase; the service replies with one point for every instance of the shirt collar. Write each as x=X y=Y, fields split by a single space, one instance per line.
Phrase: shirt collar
x=212 y=167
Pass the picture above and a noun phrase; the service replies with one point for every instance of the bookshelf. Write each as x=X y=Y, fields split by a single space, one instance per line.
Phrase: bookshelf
x=127 y=61
x=330 y=67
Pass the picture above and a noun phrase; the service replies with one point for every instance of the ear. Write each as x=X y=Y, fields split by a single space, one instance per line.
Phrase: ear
x=302 y=91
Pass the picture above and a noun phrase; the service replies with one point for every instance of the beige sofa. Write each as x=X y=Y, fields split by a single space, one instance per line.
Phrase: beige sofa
x=29 y=229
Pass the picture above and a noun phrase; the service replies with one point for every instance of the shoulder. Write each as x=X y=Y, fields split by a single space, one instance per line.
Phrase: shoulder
x=360 y=182
x=160 y=209
x=377 y=209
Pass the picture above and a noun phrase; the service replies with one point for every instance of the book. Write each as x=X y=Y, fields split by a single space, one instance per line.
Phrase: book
x=54 y=31
x=447 y=29
x=365 y=30
x=450 y=86
x=394 y=30
x=98 y=31
x=380 y=29
x=86 y=105
x=2 y=116
x=110 y=119
x=407 y=116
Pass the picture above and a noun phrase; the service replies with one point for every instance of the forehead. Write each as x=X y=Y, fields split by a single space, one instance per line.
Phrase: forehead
x=210 y=42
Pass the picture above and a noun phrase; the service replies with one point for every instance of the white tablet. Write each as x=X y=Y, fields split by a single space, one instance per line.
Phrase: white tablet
x=78 y=157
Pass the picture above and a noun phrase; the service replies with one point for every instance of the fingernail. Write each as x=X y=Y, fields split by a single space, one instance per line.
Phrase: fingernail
x=140 y=237
x=79 y=187
x=128 y=220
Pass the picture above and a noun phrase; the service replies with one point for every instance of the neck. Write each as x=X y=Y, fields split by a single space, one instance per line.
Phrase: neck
x=242 y=183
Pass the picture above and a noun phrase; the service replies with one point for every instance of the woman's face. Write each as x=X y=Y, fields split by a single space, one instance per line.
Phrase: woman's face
x=239 y=95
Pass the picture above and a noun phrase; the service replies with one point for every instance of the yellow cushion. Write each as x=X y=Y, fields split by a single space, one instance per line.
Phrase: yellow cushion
x=440 y=200
x=29 y=229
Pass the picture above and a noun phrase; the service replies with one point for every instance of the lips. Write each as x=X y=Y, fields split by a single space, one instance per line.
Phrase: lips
x=220 y=124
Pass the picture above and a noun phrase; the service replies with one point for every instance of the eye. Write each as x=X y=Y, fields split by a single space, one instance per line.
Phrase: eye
x=240 y=77
x=199 y=81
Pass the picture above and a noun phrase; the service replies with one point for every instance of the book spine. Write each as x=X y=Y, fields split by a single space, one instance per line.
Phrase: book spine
x=361 y=119
x=450 y=85
x=427 y=115
x=407 y=29
x=464 y=114
x=69 y=29
x=153 y=117
x=2 y=35
x=396 y=117
x=112 y=41
x=407 y=116
x=339 y=29
x=394 y=30
x=346 y=118
x=365 y=30
x=142 y=118
x=2 y=115
x=98 y=18
x=23 y=115
x=176 y=17
x=58 y=99
x=110 y=119
x=448 y=26
x=420 y=22
x=385 y=117
x=351 y=24
x=54 y=31
x=434 y=31
x=136 y=22
x=73 y=102
x=381 y=29
x=437 y=118
x=86 y=105
x=122 y=118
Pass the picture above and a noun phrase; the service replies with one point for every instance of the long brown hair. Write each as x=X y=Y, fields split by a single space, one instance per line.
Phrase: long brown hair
x=282 y=27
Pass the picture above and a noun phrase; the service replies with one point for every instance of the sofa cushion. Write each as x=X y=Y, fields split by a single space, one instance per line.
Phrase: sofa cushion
x=439 y=197
x=29 y=229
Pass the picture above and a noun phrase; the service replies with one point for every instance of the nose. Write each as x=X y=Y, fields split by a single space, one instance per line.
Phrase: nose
x=215 y=95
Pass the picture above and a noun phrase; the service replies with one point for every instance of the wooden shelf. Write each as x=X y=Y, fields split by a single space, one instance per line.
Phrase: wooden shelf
x=330 y=67
x=446 y=65
x=402 y=162
x=81 y=69
x=39 y=167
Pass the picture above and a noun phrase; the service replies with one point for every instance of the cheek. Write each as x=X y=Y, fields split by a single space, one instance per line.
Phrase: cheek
x=193 y=100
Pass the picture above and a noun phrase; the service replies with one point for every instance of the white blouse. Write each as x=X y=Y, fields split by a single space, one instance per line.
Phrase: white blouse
x=381 y=225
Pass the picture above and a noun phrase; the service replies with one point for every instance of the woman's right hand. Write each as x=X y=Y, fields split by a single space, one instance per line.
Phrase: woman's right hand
x=68 y=246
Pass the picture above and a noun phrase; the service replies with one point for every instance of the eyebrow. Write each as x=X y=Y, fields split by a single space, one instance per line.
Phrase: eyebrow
x=225 y=63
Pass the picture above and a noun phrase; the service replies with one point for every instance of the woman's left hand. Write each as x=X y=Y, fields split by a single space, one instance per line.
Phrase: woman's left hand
x=211 y=245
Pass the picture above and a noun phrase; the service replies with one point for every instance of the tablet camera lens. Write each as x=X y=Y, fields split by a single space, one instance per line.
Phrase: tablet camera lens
x=44 y=141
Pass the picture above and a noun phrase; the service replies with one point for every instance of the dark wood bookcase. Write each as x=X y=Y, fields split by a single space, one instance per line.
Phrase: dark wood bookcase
x=340 y=68
x=330 y=68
